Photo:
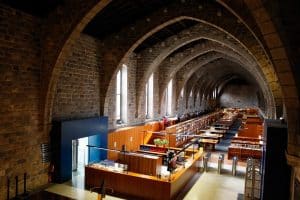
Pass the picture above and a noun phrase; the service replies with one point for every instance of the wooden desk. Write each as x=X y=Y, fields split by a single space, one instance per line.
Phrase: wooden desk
x=220 y=127
x=209 y=143
x=213 y=131
x=140 y=186
x=210 y=136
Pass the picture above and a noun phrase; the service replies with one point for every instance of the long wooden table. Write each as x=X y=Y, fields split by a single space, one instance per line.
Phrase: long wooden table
x=213 y=131
x=210 y=136
x=139 y=186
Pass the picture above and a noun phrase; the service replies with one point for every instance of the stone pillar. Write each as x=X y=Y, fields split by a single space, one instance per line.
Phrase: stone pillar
x=294 y=162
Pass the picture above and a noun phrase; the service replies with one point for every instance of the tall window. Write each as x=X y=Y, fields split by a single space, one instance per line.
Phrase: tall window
x=181 y=93
x=149 y=97
x=215 y=93
x=169 y=98
x=121 y=95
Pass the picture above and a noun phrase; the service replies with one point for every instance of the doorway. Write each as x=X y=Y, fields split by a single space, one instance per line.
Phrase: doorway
x=79 y=160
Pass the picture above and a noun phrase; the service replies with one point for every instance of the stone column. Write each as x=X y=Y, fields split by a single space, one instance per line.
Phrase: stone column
x=294 y=162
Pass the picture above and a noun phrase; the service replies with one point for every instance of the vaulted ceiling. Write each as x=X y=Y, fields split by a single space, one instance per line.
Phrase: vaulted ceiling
x=190 y=50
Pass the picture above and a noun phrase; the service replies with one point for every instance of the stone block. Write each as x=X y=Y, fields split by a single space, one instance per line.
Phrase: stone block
x=267 y=27
x=282 y=65
x=278 y=53
x=273 y=40
x=261 y=15
x=286 y=78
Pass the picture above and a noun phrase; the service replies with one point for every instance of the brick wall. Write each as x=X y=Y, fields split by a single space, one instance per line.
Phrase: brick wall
x=239 y=96
x=195 y=104
x=20 y=127
x=131 y=98
x=77 y=93
x=180 y=105
x=79 y=96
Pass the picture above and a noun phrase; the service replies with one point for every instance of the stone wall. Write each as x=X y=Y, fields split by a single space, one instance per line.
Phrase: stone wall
x=77 y=93
x=20 y=127
x=239 y=96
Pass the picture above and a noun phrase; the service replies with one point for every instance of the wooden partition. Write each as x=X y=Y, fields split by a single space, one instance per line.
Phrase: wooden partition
x=131 y=137
x=132 y=185
x=139 y=163
x=253 y=127
x=248 y=142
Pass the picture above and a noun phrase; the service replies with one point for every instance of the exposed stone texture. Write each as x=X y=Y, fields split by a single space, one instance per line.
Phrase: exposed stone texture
x=267 y=27
x=49 y=70
x=60 y=31
x=77 y=93
x=225 y=44
x=20 y=126
x=282 y=65
x=242 y=96
x=273 y=40
x=278 y=53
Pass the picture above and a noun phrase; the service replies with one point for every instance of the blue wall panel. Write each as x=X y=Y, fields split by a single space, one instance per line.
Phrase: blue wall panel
x=95 y=155
x=94 y=128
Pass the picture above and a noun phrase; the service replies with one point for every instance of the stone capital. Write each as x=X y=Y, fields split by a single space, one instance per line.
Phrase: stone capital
x=293 y=161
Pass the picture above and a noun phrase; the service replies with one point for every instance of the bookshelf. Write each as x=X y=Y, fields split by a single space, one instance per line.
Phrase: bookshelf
x=181 y=133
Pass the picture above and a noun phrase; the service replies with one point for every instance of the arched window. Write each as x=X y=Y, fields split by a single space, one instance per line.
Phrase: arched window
x=149 y=98
x=121 y=95
x=181 y=93
x=168 y=95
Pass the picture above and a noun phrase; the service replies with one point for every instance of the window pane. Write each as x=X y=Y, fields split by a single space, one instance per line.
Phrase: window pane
x=124 y=94
x=146 y=103
x=181 y=93
x=150 y=98
x=119 y=82
x=169 y=98
x=118 y=109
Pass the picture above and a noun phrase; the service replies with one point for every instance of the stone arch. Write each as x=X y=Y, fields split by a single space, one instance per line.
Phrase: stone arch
x=259 y=21
x=160 y=57
x=193 y=77
x=197 y=66
x=184 y=67
x=201 y=15
x=58 y=43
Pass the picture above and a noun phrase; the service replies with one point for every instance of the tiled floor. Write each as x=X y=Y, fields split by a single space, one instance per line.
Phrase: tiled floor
x=75 y=193
x=212 y=186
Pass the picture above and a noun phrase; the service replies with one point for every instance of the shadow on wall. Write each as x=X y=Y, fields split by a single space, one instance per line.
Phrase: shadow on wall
x=239 y=96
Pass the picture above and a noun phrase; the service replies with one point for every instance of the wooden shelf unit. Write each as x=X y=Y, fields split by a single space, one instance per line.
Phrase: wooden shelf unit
x=248 y=142
x=178 y=134
x=131 y=137
x=139 y=163
x=243 y=153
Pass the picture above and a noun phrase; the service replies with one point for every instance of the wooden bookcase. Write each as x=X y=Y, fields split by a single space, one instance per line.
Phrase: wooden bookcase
x=182 y=132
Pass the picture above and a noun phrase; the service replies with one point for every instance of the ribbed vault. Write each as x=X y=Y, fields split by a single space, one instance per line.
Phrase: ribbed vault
x=200 y=39
x=237 y=23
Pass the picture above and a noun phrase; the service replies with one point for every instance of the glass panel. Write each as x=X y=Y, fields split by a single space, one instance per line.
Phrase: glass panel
x=118 y=109
x=146 y=103
x=118 y=82
x=150 y=99
x=169 y=103
x=124 y=94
